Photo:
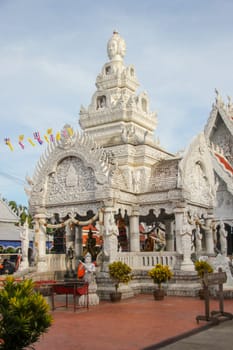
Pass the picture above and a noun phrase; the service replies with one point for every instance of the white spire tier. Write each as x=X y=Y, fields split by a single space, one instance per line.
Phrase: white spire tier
x=116 y=114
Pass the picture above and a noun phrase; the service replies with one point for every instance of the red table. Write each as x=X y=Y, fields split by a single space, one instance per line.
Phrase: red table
x=75 y=288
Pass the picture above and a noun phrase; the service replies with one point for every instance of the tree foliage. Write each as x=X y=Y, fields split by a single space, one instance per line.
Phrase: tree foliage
x=24 y=314
x=22 y=212
x=120 y=273
x=160 y=274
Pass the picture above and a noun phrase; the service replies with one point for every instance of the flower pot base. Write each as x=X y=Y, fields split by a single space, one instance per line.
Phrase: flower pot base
x=115 y=297
x=159 y=294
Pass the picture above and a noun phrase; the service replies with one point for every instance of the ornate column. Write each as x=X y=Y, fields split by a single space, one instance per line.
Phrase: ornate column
x=179 y=212
x=78 y=244
x=24 y=236
x=69 y=239
x=40 y=243
x=183 y=229
x=111 y=234
x=186 y=243
x=134 y=235
x=209 y=234
x=169 y=236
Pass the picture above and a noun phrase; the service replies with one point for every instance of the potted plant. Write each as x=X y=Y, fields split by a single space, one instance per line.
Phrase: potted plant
x=119 y=272
x=160 y=274
x=202 y=267
x=24 y=315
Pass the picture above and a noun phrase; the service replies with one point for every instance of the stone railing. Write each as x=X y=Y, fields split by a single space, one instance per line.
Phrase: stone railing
x=136 y=260
x=56 y=262
x=147 y=260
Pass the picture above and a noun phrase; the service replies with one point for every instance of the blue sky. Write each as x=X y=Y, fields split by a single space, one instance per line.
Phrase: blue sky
x=52 y=50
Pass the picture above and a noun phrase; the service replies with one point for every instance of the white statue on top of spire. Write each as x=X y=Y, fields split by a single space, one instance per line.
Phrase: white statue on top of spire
x=116 y=47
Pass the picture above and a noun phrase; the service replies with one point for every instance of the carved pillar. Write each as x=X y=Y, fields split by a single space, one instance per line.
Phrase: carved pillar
x=209 y=239
x=24 y=236
x=183 y=231
x=111 y=233
x=179 y=211
x=170 y=247
x=134 y=231
x=186 y=243
x=78 y=244
x=69 y=240
x=40 y=243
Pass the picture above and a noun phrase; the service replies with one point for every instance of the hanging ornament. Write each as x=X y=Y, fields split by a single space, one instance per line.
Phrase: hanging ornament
x=50 y=133
x=31 y=142
x=64 y=133
x=8 y=143
x=58 y=136
x=21 y=138
x=70 y=131
x=36 y=135
x=46 y=138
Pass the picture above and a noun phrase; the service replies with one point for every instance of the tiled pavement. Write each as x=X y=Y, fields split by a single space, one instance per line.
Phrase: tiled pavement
x=137 y=323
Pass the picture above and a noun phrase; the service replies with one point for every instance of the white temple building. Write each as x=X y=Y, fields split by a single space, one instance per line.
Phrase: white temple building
x=115 y=173
x=9 y=232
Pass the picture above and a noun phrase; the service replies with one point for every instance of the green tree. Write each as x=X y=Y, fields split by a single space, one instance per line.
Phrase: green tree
x=24 y=315
x=22 y=212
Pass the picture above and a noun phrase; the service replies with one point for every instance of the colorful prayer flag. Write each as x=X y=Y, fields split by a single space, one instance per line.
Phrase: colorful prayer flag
x=8 y=143
x=21 y=137
x=31 y=142
x=58 y=136
x=36 y=135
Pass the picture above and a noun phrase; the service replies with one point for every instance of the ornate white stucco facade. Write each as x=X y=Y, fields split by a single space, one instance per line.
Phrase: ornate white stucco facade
x=115 y=166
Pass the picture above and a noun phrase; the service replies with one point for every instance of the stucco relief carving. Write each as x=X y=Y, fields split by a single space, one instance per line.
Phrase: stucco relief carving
x=164 y=175
x=70 y=179
x=154 y=197
x=196 y=173
x=116 y=179
x=70 y=169
x=73 y=210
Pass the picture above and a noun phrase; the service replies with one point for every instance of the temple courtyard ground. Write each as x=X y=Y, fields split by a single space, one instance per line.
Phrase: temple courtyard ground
x=138 y=323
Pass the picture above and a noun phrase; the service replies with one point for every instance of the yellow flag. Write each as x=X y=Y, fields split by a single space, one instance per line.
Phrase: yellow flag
x=58 y=136
x=21 y=138
x=70 y=131
x=46 y=138
x=31 y=142
x=8 y=143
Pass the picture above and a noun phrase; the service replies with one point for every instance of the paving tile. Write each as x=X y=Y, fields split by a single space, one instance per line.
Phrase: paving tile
x=132 y=324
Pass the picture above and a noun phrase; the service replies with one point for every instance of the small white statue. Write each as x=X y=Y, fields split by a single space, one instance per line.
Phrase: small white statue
x=111 y=234
x=223 y=238
x=89 y=268
x=198 y=239
x=24 y=240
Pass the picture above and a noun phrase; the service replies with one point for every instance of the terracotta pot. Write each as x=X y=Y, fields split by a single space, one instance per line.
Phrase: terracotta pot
x=115 y=297
x=159 y=294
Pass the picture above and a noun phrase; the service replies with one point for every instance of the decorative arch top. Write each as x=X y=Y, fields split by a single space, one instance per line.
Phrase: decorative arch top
x=70 y=170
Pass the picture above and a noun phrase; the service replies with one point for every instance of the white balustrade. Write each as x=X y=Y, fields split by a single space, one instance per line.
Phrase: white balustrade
x=136 y=260
x=147 y=260
x=56 y=262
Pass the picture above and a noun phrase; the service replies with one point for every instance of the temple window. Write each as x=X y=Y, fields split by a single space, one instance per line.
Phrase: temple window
x=132 y=72
x=144 y=105
x=101 y=102
x=108 y=70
